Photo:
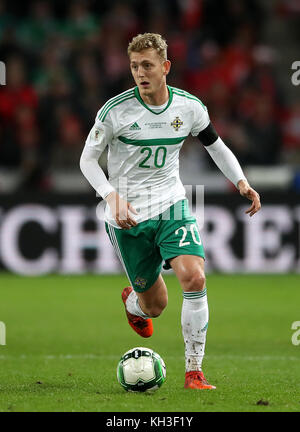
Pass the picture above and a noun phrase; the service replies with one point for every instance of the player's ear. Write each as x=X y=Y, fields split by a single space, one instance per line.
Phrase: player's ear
x=167 y=66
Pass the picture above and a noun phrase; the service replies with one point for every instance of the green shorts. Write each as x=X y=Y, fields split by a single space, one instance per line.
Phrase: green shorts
x=143 y=248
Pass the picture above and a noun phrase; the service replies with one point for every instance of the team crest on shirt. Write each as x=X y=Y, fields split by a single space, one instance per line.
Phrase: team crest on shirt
x=140 y=282
x=176 y=123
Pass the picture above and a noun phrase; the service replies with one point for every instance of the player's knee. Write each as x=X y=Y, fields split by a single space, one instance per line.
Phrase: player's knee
x=195 y=281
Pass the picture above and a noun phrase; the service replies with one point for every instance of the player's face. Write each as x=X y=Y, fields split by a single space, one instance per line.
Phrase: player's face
x=149 y=71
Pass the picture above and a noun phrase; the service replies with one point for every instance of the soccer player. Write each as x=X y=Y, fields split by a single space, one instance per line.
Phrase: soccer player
x=147 y=214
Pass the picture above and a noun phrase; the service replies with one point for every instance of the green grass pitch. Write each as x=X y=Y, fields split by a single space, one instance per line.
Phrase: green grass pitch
x=65 y=335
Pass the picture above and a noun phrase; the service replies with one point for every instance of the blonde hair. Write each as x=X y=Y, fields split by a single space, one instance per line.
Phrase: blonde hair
x=146 y=41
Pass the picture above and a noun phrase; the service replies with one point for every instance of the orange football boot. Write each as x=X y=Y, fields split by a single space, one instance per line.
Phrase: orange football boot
x=142 y=326
x=196 y=380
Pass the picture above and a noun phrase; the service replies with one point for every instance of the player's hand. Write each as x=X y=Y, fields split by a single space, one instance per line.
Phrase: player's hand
x=247 y=191
x=120 y=209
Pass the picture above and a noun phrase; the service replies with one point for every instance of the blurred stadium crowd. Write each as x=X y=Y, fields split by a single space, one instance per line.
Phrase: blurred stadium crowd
x=65 y=59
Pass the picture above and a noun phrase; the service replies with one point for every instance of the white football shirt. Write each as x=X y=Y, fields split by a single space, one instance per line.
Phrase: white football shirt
x=143 y=147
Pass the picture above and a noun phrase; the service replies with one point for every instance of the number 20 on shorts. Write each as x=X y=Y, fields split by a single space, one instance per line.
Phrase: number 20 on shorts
x=183 y=231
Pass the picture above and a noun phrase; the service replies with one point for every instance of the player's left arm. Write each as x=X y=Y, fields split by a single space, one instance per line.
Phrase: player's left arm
x=229 y=165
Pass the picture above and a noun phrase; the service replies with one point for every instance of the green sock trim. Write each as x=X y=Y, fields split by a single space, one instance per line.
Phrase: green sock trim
x=194 y=294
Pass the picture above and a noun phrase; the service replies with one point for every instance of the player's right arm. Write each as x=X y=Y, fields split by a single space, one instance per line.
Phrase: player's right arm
x=97 y=140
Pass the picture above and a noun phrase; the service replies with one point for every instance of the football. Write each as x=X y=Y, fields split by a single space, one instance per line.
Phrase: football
x=141 y=370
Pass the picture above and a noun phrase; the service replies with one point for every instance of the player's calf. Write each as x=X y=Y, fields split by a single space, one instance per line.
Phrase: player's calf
x=154 y=300
x=154 y=308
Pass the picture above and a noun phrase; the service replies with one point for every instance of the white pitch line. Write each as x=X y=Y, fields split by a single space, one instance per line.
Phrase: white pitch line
x=113 y=357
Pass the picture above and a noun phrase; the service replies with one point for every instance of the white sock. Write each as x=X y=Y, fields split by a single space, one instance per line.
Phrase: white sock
x=133 y=307
x=194 y=322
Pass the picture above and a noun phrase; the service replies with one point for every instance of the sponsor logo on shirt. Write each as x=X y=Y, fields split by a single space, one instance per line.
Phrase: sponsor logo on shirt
x=135 y=126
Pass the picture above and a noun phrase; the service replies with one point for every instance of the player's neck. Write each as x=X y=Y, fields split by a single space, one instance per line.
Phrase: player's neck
x=158 y=98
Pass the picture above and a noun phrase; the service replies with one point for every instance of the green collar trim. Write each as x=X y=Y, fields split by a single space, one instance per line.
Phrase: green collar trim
x=138 y=96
